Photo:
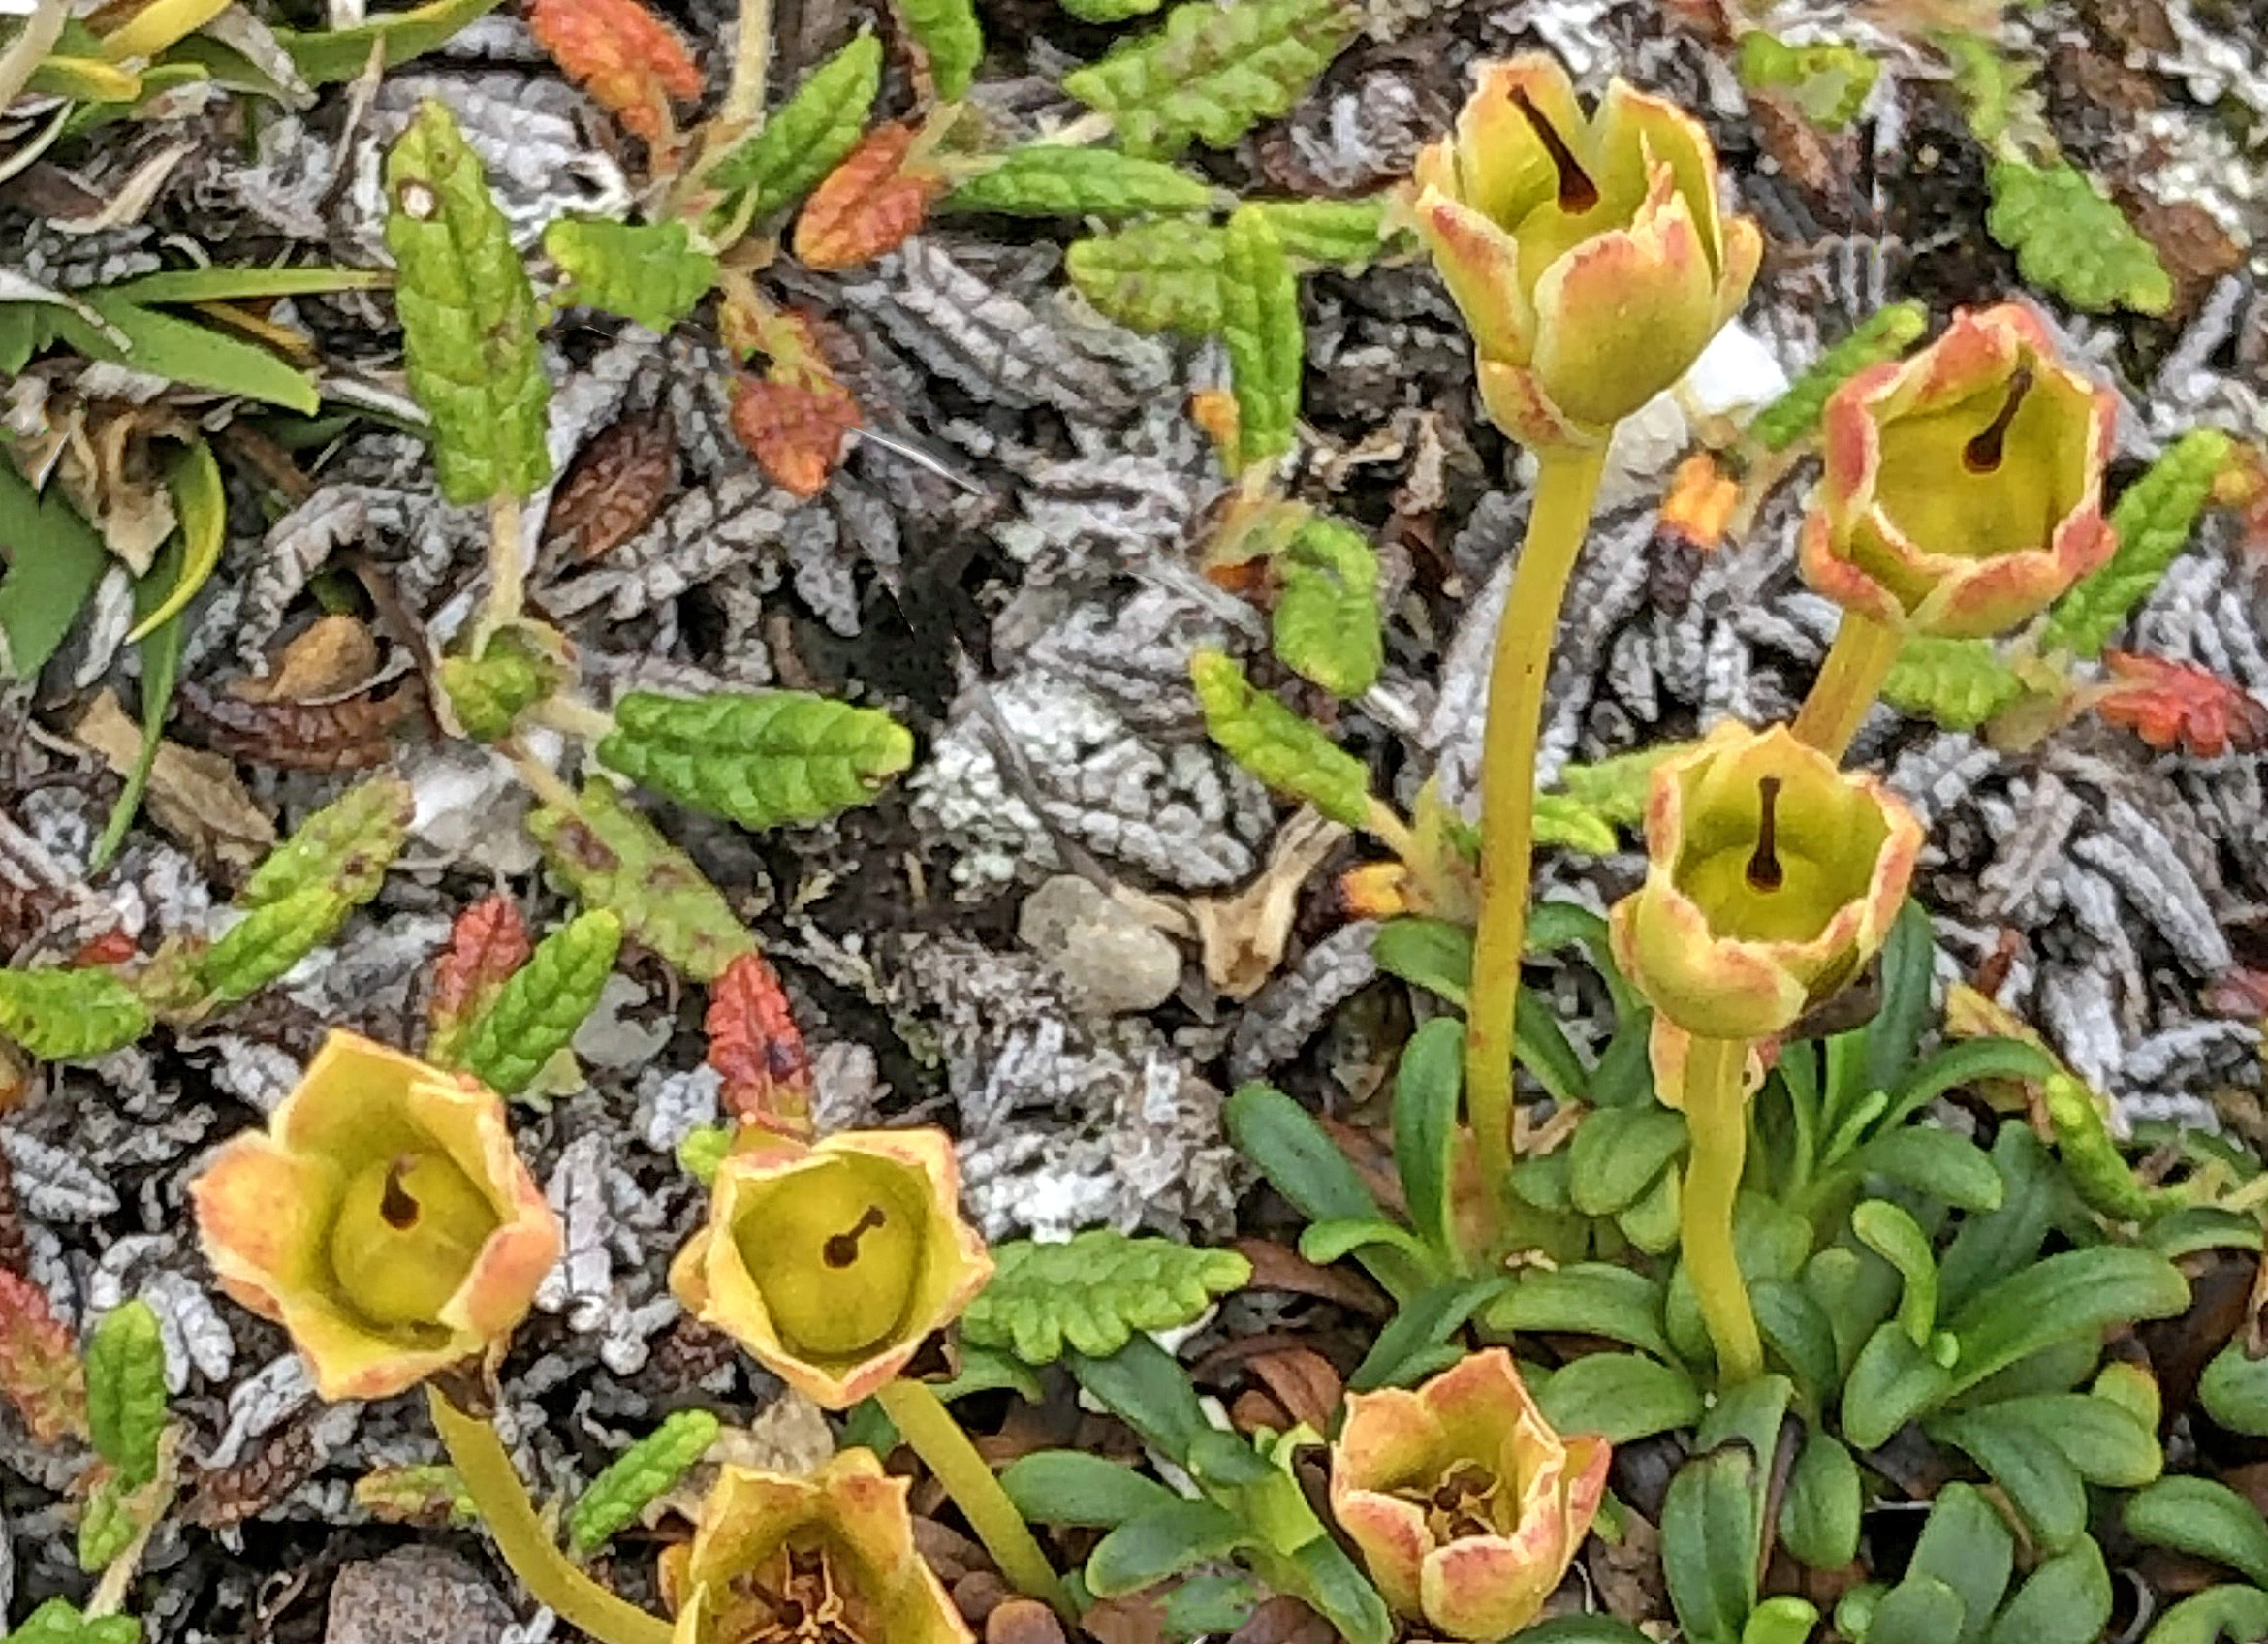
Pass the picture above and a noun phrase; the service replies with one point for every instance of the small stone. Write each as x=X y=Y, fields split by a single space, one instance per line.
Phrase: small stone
x=1114 y=963
x=978 y=1594
x=1023 y=1620
x=417 y=1595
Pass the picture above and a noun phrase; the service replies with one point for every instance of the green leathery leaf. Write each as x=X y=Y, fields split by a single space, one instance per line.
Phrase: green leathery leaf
x=1892 y=1381
x=68 y=1015
x=1891 y=1232
x=807 y=136
x=1587 y=1298
x=1620 y=1396
x=2075 y=1294
x=1049 y=180
x=1826 y=1497
x=536 y=1013
x=1287 y=753
x=2234 y=1390
x=2152 y=519
x=647 y=1468
x=611 y=857
x=2038 y=1480
x=1092 y=1292
x=950 y=38
x=2204 y=1517
x=1795 y=414
x=1326 y=627
x=345 y=847
x=2069 y=239
x=651 y=273
x=1146 y=1388
x=1921 y=1609
x=1966 y=1544
x=2214 y=1615
x=1266 y=346
x=329 y=56
x=1073 y=1487
x=468 y=315
x=1161 y=1542
x=1945 y=1166
x=56 y=560
x=1708 y=1539
x=762 y=758
x=1956 y=683
x=126 y=1390
x=1212 y=72
x=1301 y=1162
x=2067 y=1597
x=221 y=283
x=1618 y=1152
x=2109 y=1443
x=270 y=939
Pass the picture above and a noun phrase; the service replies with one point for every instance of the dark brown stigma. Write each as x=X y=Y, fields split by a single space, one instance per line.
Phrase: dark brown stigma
x=1764 y=871
x=395 y=1205
x=843 y=1248
x=1577 y=191
x=1982 y=454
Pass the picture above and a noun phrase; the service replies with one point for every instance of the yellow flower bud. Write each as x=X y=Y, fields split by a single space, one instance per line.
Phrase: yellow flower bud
x=832 y=1262
x=382 y=1218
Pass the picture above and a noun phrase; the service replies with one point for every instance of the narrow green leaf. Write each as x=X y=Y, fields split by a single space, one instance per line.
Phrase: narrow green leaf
x=2077 y=1294
x=1708 y=1543
x=1145 y=1387
x=1285 y=751
x=541 y=1004
x=194 y=356
x=809 y=134
x=1427 y=1088
x=161 y=673
x=2153 y=520
x=1621 y=1396
x=1587 y=1299
x=1212 y=72
x=329 y=56
x=468 y=315
x=1266 y=346
x=1071 y=1487
x=1093 y=1291
x=2204 y=1517
x=649 y=272
x=762 y=758
x=1412 y=1345
x=224 y=283
x=54 y=560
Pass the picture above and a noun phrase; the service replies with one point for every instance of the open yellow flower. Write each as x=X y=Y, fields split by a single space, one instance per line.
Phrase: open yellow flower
x=833 y=1262
x=1963 y=488
x=1465 y=1505
x=1588 y=252
x=797 y=1560
x=382 y=1218
x=1771 y=878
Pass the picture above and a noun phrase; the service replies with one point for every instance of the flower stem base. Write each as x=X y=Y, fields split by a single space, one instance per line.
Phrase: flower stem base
x=1849 y=680
x=522 y=1539
x=925 y=1423
x=1716 y=1116
x=1565 y=488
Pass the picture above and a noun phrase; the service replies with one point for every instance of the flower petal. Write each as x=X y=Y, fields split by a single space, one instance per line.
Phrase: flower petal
x=1391 y=1537
x=1489 y=1587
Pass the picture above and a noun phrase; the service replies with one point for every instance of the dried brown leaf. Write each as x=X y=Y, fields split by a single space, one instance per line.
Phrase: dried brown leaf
x=1303 y=1382
x=757 y=1048
x=40 y=1370
x=334 y=656
x=227 y=1497
x=794 y=431
x=353 y=734
x=614 y=489
x=195 y=797
x=488 y=942
x=2178 y=705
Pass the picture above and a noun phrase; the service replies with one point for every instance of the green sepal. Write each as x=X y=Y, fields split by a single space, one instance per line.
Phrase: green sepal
x=67 y=1015
x=651 y=273
x=1212 y=72
x=489 y=693
x=1092 y=1292
x=1276 y=744
x=468 y=315
x=541 y=1004
x=633 y=1479
x=762 y=758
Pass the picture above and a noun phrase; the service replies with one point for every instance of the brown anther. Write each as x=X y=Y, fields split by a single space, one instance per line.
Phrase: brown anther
x=1982 y=454
x=1764 y=870
x=843 y=1248
x=1577 y=191
x=395 y=1205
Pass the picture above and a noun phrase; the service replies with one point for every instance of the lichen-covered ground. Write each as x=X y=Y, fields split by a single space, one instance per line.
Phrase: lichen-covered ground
x=1031 y=617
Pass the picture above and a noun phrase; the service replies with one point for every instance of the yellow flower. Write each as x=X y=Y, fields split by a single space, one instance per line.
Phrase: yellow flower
x=832 y=1262
x=797 y=1560
x=1587 y=251
x=382 y=1218
x=1771 y=878
x=1963 y=488
x=1465 y=1505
